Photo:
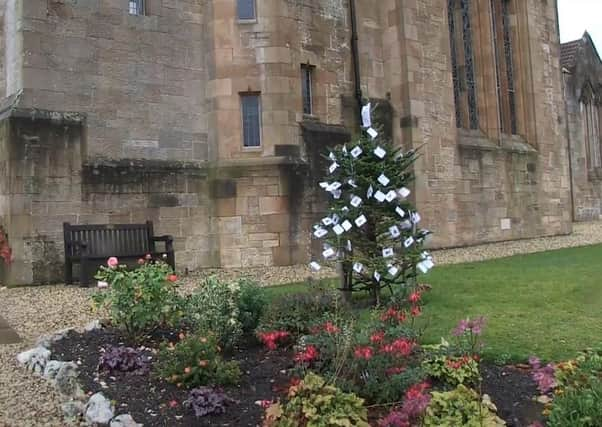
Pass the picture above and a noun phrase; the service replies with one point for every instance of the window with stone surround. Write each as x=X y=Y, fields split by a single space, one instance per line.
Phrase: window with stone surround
x=251 y=119
x=136 y=7
x=590 y=119
x=306 y=88
x=246 y=10
x=503 y=42
x=463 y=65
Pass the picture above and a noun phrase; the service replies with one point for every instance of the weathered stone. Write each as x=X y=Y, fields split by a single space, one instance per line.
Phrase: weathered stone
x=124 y=420
x=73 y=409
x=93 y=325
x=35 y=359
x=66 y=379
x=99 y=410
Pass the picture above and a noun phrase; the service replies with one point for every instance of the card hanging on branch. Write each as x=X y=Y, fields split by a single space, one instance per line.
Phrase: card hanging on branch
x=347 y=225
x=327 y=221
x=372 y=132
x=416 y=217
x=356 y=201
x=391 y=195
x=320 y=232
x=408 y=242
x=360 y=220
x=358 y=267
x=394 y=231
x=338 y=229
x=333 y=167
x=331 y=156
x=393 y=271
x=383 y=179
x=349 y=247
x=351 y=183
x=400 y=211
x=380 y=152
x=356 y=152
x=327 y=253
x=325 y=185
x=377 y=276
x=404 y=192
x=388 y=252
x=380 y=196
x=406 y=225
x=366 y=115
x=315 y=266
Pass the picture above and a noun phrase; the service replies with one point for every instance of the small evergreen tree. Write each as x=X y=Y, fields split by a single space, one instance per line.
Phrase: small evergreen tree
x=372 y=228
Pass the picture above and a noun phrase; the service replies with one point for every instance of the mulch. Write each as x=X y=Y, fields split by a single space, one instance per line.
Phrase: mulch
x=265 y=377
x=8 y=334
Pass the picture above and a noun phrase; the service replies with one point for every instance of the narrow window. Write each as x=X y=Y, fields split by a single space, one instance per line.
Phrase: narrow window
x=462 y=59
x=503 y=45
x=251 y=119
x=246 y=10
x=306 y=88
x=136 y=7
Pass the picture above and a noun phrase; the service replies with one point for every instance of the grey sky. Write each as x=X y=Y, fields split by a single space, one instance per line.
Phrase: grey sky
x=576 y=16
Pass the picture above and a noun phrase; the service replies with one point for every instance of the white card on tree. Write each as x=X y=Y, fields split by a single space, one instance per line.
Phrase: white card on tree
x=328 y=253
x=416 y=217
x=406 y=225
x=335 y=219
x=327 y=221
x=383 y=179
x=320 y=232
x=358 y=267
x=380 y=152
x=388 y=252
x=360 y=220
x=377 y=276
x=338 y=230
x=400 y=212
x=404 y=192
x=333 y=167
x=356 y=201
x=366 y=119
x=347 y=225
x=394 y=231
x=393 y=271
x=315 y=266
x=370 y=192
x=351 y=183
x=391 y=195
x=372 y=132
x=408 y=242
x=324 y=185
x=356 y=152
x=349 y=247
x=380 y=196
x=334 y=186
x=337 y=194
x=331 y=156
x=422 y=267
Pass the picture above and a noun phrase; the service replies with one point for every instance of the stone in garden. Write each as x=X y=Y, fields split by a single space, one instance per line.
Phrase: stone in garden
x=124 y=420
x=66 y=379
x=99 y=410
x=47 y=340
x=52 y=369
x=93 y=325
x=34 y=359
x=73 y=409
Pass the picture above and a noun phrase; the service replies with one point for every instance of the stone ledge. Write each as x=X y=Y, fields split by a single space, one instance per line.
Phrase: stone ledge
x=9 y=108
x=477 y=140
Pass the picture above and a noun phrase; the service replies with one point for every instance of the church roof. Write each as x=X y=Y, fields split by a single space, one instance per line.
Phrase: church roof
x=569 y=51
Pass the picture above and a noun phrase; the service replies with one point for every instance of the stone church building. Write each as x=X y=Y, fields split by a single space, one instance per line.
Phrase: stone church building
x=209 y=118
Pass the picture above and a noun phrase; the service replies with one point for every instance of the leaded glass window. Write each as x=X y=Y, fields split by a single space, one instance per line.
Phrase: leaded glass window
x=463 y=65
x=306 y=88
x=503 y=44
x=136 y=7
x=251 y=119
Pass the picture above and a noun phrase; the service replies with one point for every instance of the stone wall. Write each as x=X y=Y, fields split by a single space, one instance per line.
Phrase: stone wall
x=587 y=182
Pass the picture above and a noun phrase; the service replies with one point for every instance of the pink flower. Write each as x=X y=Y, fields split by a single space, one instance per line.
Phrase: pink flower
x=377 y=337
x=364 y=353
x=102 y=285
x=474 y=326
x=172 y=278
x=414 y=297
x=331 y=328
x=113 y=262
x=173 y=403
x=307 y=356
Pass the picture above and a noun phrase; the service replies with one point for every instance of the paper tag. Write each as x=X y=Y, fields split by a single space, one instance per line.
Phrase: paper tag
x=336 y=194
x=327 y=221
x=400 y=212
x=324 y=185
x=345 y=209
x=416 y=217
x=383 y=179
x=333 y=167
x=429 y=263
x=394 y=231
x=404 y=192
x=344 y=148
x=425 y=255
x=331 y=156
x=356 y=152
x=406 y=225
x=380 y=152
x=408 y=242
x=360 y=220
x=380 y=196
x=377 y=276
x=338 y=230
x=358 y=267
x=347 y=225
x=373 y=133
x=320 y=232
x=370 y=192
x=328 y=253
x=334 y=186
x=388 y=252
x=366 y=119
x=422 y=267
x=351 y=183
x=356 y=201
x=314 y=266
x=393 y=271
x=349 y=247
x=335 y=218
x=391 y=195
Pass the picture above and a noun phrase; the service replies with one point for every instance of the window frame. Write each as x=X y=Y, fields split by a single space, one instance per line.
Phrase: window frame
x=307 y=82
x=251 y=20
x=140 y=7
x=242 y=96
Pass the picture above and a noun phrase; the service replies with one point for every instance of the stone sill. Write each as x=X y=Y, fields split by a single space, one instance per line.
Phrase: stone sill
x=9 y=108
x=594 y=174
x=477 y=140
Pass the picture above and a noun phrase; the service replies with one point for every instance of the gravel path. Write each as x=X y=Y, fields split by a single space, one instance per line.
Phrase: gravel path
x=33 y=311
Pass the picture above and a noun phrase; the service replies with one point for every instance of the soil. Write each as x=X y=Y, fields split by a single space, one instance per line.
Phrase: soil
x=265 y=376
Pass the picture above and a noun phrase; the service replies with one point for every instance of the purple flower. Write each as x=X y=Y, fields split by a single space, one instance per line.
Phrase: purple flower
x=474 y=326
x=543 y=376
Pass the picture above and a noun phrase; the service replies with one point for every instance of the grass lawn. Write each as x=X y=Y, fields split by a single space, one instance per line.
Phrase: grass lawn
x=547 y=304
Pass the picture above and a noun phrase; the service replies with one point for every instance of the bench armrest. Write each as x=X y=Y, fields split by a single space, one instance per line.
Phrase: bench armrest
x=168 y=241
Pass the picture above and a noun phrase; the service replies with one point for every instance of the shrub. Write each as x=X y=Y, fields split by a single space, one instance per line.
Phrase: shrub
x=578 y=407
x=314 y=403
x=195 y=361
x=124 y=359
x=206 y=401
x=140 y=300
x=460 y=407
x=251 y=304
x=453 y=370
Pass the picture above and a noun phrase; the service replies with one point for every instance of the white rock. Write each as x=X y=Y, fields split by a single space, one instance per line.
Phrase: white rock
x=99 y=410
x=73 y=409
x=124 y=420
x=93 y=325
x=47 y=340
x=66 y=379
x=34 y=359
x=52 y=369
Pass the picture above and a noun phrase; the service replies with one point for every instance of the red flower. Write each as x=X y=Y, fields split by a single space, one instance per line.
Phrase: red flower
x=414 y=297
x=172 y=278
x=395 y=370
x=377 y=337
x=173 y=403
x=307 y=356
x=416 y=390
x=269 y=339
x=331 y=328
x=364 y=353
x=399 y=347
x=416 y=311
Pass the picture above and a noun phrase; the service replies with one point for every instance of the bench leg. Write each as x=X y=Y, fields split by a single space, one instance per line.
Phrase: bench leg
x=85 y=275
x=68 y=272
x=171 y=259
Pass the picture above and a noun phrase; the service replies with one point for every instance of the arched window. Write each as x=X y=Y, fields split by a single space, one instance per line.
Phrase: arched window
x=502 y=12
x=463 y=66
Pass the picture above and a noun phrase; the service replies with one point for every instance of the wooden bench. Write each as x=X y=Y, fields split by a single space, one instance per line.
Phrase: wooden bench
x=91 y=245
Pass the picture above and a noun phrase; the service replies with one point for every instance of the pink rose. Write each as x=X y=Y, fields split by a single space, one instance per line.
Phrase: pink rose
x=113 y=262
x=102 y=285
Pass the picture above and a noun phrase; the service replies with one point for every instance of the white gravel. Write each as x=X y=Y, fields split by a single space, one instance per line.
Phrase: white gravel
x=33 y=311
